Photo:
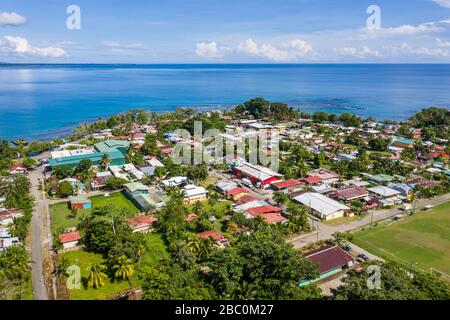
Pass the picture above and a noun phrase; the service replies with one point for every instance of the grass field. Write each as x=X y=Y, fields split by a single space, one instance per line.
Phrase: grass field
x=155 y=251
x=422 y=240
x=61 y=214
x=83 y=259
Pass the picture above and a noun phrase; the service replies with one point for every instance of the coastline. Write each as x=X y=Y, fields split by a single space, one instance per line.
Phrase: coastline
x=66 y=131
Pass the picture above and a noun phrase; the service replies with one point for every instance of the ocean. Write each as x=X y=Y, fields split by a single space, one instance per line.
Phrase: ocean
x=46 y=101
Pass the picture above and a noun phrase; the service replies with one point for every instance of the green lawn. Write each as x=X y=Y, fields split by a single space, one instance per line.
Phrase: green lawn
x=60 y=212
x=111 y=289
x=155 y=251
x=423 y=239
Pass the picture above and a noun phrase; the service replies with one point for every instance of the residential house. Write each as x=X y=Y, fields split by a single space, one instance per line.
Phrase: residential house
x=18 y=169
x=80 y=202
x=330 y=259
x=351 y=193
x=70 y=240
x=214 y=235
x=6 y=240
x=141 y=223
x=286 y=185
x=7 y=216
x=193 y=193
x=260 y=176
x=322 y=206
x=386 y=195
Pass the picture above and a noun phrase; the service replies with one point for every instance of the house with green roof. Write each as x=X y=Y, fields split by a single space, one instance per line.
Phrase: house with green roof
x=115 y=149
x=403 y=143
x=134 y=189
x=112 y=145
x=144 y=197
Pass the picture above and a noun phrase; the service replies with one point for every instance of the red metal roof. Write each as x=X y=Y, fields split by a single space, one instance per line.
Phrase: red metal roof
x=141 y=221
x=313 y=179
x=236 y=191
x=216 y=235
x=273 y=217
x=286 y=184
x=69 y=237
x=352 y=192
x=246 y=199
x=263 y=209
x=191 y=217
x=329 y=258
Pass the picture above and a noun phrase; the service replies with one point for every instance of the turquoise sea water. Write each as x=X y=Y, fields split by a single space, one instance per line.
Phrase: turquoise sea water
x=42 y=101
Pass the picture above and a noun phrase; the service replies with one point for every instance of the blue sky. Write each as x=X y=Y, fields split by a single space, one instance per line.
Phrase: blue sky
x=225 y=31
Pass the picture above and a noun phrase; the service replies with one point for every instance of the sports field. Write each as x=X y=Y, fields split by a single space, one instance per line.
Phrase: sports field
x=421 y=241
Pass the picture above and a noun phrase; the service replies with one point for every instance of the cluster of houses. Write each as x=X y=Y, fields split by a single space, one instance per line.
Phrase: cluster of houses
x=7 y=217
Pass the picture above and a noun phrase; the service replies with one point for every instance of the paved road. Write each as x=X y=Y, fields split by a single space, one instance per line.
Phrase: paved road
x=38 y=233
x=326 y=231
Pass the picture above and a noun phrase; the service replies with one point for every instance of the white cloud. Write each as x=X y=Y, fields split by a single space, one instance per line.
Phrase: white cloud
x=364 y=52
x=119 y=46
x=443 y=43
x=405 y=48
x=21 y=46
x=209 y=50
x=11 y=19
x=291 y=50
x=443 y=3
x=406 y=30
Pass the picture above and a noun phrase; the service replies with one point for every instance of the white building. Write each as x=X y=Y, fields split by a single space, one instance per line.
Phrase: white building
x=323 y=206
x=192 y=193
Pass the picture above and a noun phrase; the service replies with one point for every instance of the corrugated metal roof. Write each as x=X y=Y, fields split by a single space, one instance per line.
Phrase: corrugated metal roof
x=329 y=258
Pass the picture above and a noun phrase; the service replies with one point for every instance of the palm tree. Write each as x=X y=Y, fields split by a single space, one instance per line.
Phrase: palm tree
x=124 y=268
x=193 y=243
x=197 y=207
x=206 y=246
x=96 y=277
x=104 y=163
x=213 y=198
x=246 y=291
x=140 y=253
x=62 y=266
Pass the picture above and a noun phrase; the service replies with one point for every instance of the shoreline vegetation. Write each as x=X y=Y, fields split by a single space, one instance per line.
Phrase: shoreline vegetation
x=73 y=131
x=205 y=249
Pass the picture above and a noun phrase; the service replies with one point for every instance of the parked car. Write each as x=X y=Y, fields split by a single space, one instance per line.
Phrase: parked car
x=363 y=257
x=246 y=182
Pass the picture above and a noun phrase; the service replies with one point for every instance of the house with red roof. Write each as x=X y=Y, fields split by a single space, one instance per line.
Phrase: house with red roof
x=330 y=259
x=351 y=193
x=273 y=218
x=286 y=185
x=18 y=169
x=141 y=223
x=313 y=180
x=260 y=176
x=191 y=217
x=7 y=216
x=70 y=240
x=246 y=199
x=214 y=235
x=237 y=192
x=263 y=209
x=325 y=176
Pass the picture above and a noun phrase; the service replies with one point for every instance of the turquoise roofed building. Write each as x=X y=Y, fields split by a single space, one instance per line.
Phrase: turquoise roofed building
x=115 y=149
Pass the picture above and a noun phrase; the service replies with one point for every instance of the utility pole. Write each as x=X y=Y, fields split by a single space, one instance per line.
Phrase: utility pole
x=371 y=218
